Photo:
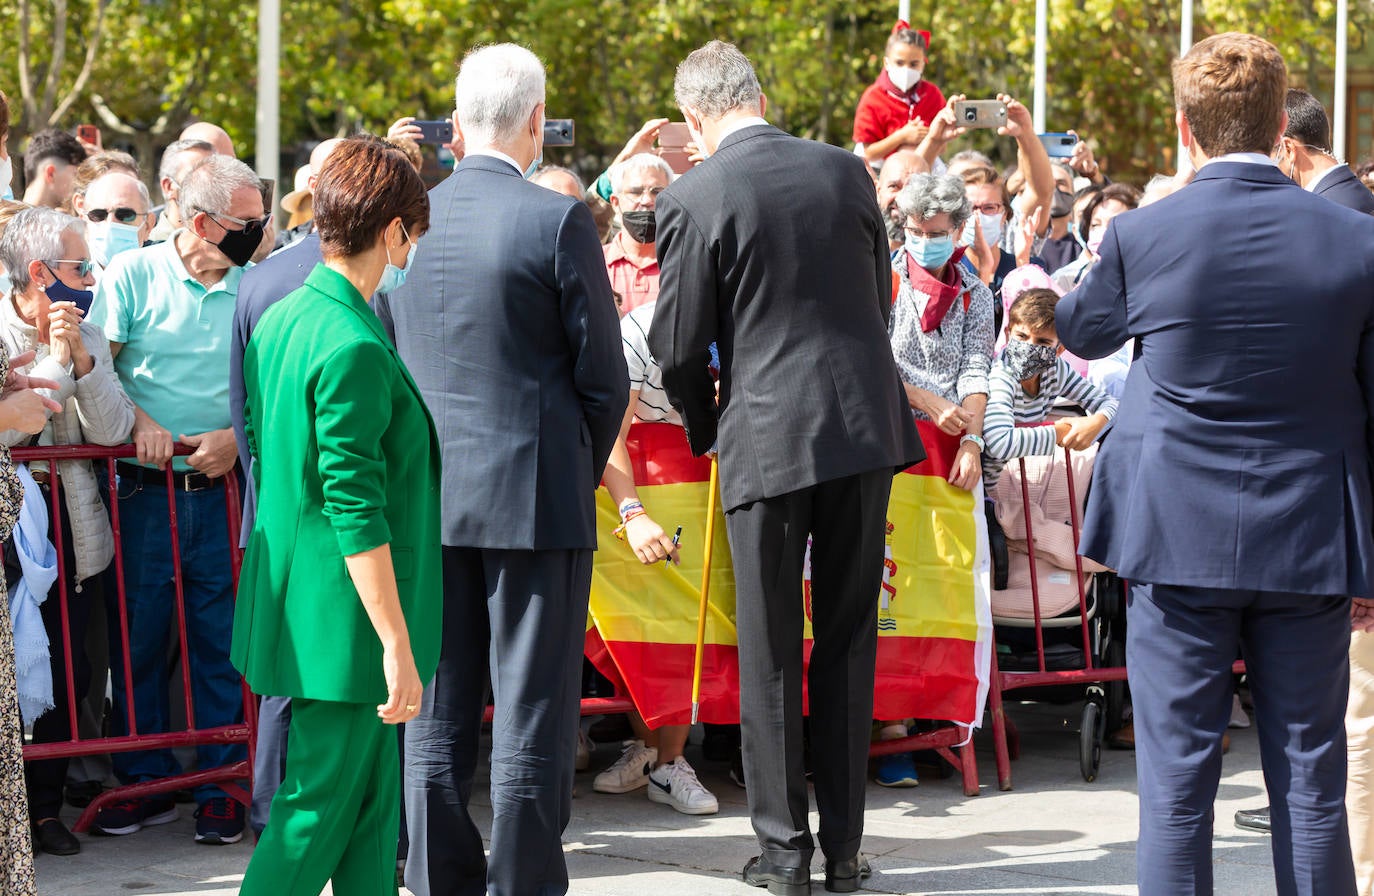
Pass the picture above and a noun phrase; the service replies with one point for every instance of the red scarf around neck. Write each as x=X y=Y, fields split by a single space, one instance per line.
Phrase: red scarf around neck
x=906 y=96
x=942 y=293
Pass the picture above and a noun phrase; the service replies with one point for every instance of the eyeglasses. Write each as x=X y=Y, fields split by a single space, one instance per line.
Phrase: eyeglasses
x=636 y=192
x=990 y=208
x=83 y=265
x=923 y=235
x=261 y=224
x=123 y=214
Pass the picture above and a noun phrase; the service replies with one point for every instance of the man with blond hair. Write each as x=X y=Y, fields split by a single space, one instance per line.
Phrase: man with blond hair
x=1234 y=493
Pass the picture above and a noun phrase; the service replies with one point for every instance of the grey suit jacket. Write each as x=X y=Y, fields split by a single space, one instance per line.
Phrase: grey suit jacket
x=775 y=249
x=508 y=325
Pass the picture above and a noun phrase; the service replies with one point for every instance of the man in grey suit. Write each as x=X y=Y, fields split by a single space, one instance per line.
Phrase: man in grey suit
x=775 y=249
x=509 y=327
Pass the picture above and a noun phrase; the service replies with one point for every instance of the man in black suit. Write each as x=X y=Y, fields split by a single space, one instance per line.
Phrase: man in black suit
x=508 y=325
x=775 y=249
x=1304 y=154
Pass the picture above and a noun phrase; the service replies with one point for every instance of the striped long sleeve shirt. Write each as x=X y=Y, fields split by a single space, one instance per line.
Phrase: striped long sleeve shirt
x=1008 y=405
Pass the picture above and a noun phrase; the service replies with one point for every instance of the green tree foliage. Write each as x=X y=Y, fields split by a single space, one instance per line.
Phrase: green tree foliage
x=353 y=64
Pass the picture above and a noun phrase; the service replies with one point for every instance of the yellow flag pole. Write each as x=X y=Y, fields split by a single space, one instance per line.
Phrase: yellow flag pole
x=705 y=589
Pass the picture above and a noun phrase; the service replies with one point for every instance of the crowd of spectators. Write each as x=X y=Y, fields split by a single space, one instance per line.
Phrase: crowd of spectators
x=129 y=308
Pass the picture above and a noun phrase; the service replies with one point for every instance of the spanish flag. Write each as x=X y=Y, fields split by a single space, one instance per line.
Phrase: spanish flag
x=934 y=612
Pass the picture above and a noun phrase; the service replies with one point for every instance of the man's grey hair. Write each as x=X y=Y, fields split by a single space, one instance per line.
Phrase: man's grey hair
x=210 y=186
x=538 y=177
x=142 y=187
x=1157 y=187
x=717 y=79
x=971 y=157
x=644 y=161
x=171 y=163
x=35 y=234
x=496 y=91
x=928 y=195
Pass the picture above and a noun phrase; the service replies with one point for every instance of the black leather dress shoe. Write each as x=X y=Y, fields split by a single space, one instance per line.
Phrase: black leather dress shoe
x=52 y=836
x=845 y=875
x=782 y=880
x=1253 y=819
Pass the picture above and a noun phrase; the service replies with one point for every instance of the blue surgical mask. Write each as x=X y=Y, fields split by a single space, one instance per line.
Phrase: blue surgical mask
x=108 y=238
x=539 y=159
x=393 y=278
x=930 y=253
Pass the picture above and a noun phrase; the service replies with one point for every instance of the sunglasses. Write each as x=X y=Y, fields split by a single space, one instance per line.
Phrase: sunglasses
x=123 y=214
x=83 y=265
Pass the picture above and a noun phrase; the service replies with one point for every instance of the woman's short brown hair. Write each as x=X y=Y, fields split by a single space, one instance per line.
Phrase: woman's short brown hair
x=363 y=184
x=1231 y=88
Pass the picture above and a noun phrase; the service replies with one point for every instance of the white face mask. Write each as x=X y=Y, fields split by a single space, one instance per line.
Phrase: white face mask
x=905 y=78
x=6 y=176
x=108 y=238
x=992 y=228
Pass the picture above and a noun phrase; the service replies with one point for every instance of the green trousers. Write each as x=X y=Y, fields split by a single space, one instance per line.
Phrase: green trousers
x=336 y=816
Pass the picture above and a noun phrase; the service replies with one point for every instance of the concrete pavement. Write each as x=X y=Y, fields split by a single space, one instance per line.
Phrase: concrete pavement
x=1053 y=834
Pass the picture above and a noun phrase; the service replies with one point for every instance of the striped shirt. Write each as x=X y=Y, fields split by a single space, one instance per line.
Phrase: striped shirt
x=1008 y=405
x=645 y=374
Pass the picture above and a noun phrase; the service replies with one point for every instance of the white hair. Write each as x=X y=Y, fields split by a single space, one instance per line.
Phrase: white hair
x=496 y=91
x=927 y=195
x=35 y=234
x=210 y=186
x=716 y=79
x=644 y=161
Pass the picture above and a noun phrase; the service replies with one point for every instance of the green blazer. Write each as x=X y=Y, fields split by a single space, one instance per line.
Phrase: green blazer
x=346 y=460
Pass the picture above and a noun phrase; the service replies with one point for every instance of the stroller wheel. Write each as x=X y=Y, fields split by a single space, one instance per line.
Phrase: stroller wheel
x=1090 y=734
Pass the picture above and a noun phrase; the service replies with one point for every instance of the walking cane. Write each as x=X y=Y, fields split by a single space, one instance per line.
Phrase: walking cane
x=705 y=589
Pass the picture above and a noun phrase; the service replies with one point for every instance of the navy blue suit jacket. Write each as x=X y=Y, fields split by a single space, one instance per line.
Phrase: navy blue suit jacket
x=1239 y=458
x=262 y=286
x=1342 y=186
x=508 y=325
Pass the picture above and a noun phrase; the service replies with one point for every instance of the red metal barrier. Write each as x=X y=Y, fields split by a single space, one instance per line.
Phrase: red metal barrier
x=1006 y=741
x=227 y=776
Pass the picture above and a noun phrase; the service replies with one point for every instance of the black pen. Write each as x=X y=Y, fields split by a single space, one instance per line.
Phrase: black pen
x=668 y=561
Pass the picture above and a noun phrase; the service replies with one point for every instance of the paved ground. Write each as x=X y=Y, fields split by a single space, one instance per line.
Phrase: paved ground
x=1053 y=834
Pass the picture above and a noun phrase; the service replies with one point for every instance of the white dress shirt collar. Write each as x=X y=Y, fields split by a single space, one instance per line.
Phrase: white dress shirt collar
x=497 y=154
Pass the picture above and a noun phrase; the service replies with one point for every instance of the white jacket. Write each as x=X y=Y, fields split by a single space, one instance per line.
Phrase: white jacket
x=95 y=410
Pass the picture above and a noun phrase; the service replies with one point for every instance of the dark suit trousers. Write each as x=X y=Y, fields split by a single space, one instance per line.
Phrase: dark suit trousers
x=519 y=617
x=846 y=521
x=1180 y=643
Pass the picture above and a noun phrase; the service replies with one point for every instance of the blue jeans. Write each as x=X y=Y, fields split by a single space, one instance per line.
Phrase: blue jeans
x=207 y=582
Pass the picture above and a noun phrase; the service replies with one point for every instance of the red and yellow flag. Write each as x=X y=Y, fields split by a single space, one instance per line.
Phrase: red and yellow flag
x=934 y=617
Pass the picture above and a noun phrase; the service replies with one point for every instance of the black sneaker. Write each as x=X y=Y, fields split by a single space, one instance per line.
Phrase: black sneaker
x=127 y=816
x=219 y=822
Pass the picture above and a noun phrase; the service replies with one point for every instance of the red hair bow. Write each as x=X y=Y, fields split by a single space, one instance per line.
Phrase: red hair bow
x=903 y=25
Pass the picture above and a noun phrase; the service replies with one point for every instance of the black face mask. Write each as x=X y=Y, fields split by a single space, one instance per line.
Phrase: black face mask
x=1062 y=204
x=239 y=245
x=640 y=225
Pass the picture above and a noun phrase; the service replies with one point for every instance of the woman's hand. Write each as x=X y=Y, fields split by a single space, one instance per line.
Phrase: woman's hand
x=1030 y=227
x=950 y=417
x=26 y=410
x=944 y=127
x=64 y=338
x=1082 y=161
x=984 y=256
x=1019 y=119
x=403 y=687
x=15 y=381
x=967 y=468
x=648 y=540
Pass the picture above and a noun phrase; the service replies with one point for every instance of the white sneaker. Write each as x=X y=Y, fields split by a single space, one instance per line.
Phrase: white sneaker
x=583 y=757
x=676 y=785
x=1238 y=717
x=630 y=771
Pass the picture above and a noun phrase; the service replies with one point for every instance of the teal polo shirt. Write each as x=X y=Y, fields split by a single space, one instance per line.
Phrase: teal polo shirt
x=176 y=335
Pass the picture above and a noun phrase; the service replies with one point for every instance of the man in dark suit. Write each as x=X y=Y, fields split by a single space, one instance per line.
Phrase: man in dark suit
x=509 y=327
x=1305 y=155
x=1234 y=492
x=775 y=250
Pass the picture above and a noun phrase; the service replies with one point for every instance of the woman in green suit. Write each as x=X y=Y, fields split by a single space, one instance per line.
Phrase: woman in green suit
x=339 y=596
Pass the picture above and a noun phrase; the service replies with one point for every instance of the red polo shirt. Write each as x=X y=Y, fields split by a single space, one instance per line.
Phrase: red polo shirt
x=635 y=278
x=882 y=109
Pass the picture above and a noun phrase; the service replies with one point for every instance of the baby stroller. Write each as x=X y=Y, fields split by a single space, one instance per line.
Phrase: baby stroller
x=1058 y=619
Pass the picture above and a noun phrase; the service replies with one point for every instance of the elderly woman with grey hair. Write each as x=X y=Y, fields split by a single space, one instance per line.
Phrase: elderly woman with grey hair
x=941 y=326
x=46 y=254
x=942 y=335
